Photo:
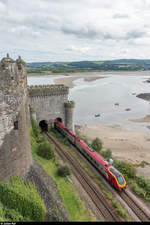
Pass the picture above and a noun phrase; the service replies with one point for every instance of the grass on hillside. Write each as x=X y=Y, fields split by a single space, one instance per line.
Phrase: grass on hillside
x=75 y=207
x=16 y=203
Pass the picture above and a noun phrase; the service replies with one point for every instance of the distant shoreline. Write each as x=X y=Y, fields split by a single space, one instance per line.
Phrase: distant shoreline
x=134 y=73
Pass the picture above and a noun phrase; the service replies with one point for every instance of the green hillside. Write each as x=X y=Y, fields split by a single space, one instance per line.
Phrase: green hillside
x=109 y=65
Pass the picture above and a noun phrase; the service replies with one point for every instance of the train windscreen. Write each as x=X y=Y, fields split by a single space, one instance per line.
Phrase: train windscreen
x=117 y=175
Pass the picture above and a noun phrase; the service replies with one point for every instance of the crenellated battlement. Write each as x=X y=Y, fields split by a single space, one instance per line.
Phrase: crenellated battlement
x=47 y=90
x=7 y=64
x=70 y=104
x=50 y=102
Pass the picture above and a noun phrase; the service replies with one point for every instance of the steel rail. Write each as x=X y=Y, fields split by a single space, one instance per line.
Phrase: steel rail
x=107 y=210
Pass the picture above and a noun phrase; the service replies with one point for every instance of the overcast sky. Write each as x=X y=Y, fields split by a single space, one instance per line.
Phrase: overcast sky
x=74 y=30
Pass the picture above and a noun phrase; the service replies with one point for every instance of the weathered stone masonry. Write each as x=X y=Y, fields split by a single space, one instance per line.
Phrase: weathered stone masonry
x=15 y=151
x=50 y=102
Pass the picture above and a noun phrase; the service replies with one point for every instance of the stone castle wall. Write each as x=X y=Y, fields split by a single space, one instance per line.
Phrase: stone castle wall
x=51 y=102
x=15 y=151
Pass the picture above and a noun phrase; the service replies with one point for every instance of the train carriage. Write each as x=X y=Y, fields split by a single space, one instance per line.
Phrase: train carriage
x=104 y=167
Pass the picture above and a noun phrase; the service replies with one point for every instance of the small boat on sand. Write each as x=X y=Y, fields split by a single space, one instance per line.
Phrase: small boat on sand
x=97 y=115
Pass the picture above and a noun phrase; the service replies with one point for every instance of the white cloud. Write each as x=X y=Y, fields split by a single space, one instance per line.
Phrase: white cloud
x=58 y=30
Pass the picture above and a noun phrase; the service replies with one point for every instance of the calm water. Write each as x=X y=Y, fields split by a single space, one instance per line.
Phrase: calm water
x=100 y=96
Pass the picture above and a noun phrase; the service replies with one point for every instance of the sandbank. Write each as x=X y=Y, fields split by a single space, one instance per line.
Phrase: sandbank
x=128 y=145
x=68 y=81
x=141 y=120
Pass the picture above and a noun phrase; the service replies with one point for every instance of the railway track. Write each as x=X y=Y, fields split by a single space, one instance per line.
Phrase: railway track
x=140 y=213
x=138 y=210
x=98 y=198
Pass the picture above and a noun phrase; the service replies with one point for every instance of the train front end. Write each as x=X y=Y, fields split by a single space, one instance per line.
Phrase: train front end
x=117 y=179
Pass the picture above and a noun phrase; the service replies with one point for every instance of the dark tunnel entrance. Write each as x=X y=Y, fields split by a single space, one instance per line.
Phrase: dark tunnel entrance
x=43 y=125
x=59 y=119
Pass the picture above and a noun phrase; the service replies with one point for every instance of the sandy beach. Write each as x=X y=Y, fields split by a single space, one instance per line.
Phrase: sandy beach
x=128 y=145
x=141 y=120
x=91 y=76
x=68 y=81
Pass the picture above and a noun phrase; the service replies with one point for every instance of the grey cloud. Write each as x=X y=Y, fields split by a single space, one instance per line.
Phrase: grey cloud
x=85 y=32
x=55 y=24
x=120 y=16
x=134 y=34
x=91 y=33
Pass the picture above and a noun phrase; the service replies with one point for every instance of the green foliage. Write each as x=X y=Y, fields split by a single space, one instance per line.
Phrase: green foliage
x=97 y=144
x=40 y=139
x=144 y=184
x=85 y=139
x=142 y=164
x=34 y=144
x=64 y=170
x=46 y=150
x=128 y=169
x=2 y=219
x=107 y=154
x=139 y=191
x=13 y=215
x=24 y=198
x=119 y=208
x=70 y=67
x=40 y=144
x=2 y=215
x=35 y=128
x=66 y=142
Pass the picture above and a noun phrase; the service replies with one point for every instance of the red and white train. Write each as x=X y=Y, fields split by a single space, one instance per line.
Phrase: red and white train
x=103 y=166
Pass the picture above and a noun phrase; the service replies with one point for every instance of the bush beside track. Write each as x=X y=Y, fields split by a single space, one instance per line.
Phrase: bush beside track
x=74 y=205
x=140 y=185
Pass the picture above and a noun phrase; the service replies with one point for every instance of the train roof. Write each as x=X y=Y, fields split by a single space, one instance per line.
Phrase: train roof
x=94 y=154
x=65 y=128
x=90 y=151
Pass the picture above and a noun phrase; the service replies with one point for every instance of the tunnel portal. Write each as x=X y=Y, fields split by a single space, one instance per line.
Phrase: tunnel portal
x=59 y=119
x=43 y=125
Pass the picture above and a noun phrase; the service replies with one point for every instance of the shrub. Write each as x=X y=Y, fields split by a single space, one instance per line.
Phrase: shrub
x=126 y=168
x=1 y=210
x=107 y=154
x=2 y=219
x=139 y=191
x=85 y=139
x=13 y=215
x=46 y=150
x=66 y=142
x=24 y=198
x=97 y=144
x=40 y=139
x=119 y=208
x=35 y=128
x=63 y=170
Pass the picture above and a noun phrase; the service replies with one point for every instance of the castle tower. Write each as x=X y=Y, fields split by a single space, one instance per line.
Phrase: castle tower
x=69 y=114
x=15 y=149
x=50 y=103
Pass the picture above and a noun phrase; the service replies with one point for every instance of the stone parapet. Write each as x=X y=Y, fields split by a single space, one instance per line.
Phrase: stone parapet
x=69 y=104
x=47 y=90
